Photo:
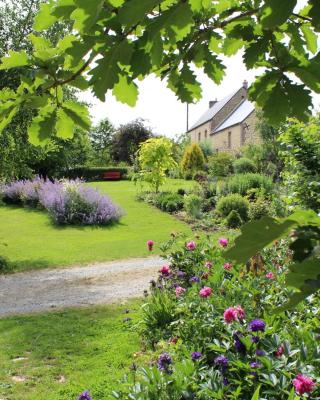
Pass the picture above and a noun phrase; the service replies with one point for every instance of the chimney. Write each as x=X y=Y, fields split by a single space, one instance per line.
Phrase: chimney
x=245 y=84
x=212 y=103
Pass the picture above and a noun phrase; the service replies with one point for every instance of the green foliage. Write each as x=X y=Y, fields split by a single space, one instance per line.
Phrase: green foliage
x=206 y=147
x=4 y=265
x=193 y=205
x=301 y=154
x=93 y=173
x=101 y=140
x=233 y=220
x=259 y=208
x=155 y=158
x=131 y=40
x=169 y=202
x=243 y=165
x=193 y=159
x=221 y=164
x=233 y=202
x=242 y=183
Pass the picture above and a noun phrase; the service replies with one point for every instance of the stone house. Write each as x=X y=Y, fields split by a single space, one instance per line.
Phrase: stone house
x=228 y=124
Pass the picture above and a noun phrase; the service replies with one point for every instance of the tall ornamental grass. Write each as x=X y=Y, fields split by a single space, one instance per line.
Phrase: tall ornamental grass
x=242 y=183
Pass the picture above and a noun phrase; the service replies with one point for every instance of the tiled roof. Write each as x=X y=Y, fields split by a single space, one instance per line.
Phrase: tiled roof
x=237 y=116
x=211 y=112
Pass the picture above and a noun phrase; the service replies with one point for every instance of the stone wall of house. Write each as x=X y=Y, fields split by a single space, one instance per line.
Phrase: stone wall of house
x=233 y=138
x=201 y=133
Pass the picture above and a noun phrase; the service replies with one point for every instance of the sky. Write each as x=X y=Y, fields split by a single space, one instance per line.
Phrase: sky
x=164 y=113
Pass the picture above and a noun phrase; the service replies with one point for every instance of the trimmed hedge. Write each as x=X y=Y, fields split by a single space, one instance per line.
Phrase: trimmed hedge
x=93 y=173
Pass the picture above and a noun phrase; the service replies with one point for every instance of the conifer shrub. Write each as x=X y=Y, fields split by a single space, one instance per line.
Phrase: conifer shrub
x=233 y=202
x=193 y=159
x=233 y=220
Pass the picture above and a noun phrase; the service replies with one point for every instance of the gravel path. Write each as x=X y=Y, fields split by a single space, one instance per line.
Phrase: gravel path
x=101 y=283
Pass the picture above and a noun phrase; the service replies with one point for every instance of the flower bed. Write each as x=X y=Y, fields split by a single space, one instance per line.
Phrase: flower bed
x=213 y=332
x=68 y=202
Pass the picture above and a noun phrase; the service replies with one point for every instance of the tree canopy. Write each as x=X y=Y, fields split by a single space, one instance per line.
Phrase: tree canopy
x=116 y=42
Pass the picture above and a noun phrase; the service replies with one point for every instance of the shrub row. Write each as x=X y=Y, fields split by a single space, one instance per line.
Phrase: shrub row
x=93 y=173
x=68 y=202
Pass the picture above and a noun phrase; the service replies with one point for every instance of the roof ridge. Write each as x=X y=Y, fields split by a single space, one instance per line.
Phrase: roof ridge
x=229 y=115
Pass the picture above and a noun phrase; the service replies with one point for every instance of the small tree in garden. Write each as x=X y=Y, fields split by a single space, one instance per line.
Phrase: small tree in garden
x=193 y=159
x=155 y=158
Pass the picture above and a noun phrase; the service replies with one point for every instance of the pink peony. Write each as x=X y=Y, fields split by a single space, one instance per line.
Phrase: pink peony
x=270 y=275
x=227 y=266
x=223 y=242
x=150 y=244
x=303 y=384
x=208 y=264
x=191 y=245
x=165 y=270
x=240 y=312
x=230 y=315
x=179 y=291
x=205 y=291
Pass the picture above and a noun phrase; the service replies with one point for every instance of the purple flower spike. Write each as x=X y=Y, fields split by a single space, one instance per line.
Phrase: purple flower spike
x=222 y=361
x=196 y=355
x=164 y=361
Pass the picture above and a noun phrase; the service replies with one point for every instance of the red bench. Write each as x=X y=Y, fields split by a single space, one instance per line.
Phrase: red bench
x=112 y=175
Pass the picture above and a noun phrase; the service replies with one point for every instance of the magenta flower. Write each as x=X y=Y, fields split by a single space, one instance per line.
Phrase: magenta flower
x=205 y=291
x=270 y=275
x=227 y=266
x=230 y=315
x=208 y=264
x=303 y=384
x=165 y=270
x=223 y=242
x=280 y=351
x=191 y=245
x=179 y=291
x=150 y=244
x=240 y=312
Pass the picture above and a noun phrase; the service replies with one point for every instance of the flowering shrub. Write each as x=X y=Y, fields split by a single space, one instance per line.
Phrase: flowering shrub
x=68 y=202
x=217 y=336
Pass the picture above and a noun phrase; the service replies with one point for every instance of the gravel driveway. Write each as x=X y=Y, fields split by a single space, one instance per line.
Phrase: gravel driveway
x=101 y=283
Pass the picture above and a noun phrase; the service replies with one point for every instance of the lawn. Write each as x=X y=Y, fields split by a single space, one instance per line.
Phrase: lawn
x=56 y=356
x=32 y=241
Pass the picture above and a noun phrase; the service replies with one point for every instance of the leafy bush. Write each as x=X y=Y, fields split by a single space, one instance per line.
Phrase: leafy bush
x=242 y=183
x=193 y=205
x=169 y=202
x=233 y=202
x=200 y=176
x=193 y=159
x=259 y=208
x=206 y=147
x=233 y=220
x=243 y=165
x=94 y=173
x=181 y=191
x=221 y=164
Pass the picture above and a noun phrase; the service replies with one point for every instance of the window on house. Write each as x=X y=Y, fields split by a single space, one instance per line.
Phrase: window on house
x=229 y=140
x=205 y=134
x=199 y=136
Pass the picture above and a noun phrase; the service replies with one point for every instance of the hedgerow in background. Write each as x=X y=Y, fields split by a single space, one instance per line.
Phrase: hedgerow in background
x=300 y=144
x=193 y=159
x=155 y=159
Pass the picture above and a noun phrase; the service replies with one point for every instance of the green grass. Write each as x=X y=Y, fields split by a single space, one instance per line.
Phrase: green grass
x=90 y=348
x=32 y=241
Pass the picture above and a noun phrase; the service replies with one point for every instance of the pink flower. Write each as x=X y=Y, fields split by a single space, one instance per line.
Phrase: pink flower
x=240 y=312
x=179 y=291
x=279 y=351
x=223 y=242
x=230 y=315
x=205 y=291
x=303 y=384
x=208 y=264
x=227 y=266
x=191 y=245
x=150 y=244
x=165 y=270
x=270 y=275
